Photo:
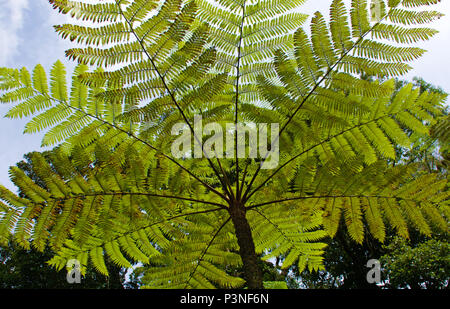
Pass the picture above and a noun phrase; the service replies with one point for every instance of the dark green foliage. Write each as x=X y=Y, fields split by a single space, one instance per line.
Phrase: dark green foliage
x=28 y=269
x=423 y=265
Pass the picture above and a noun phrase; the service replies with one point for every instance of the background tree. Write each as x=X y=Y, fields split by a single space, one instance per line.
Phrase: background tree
x=28 y=269
x=164 y=62
x=417 y=265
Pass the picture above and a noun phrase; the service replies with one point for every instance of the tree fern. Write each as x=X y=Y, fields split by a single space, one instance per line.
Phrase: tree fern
x=112 y=189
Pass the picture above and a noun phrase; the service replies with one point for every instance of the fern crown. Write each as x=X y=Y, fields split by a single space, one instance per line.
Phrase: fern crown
x=114 y=190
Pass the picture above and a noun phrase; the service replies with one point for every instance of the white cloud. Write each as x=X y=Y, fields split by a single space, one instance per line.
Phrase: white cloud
x=11 y=21
x=16 y=9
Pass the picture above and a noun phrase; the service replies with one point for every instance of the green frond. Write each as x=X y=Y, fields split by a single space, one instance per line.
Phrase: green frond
x=98 y=260
x=359 y=18
x=402 y=35
x=374 y=218
x=297 y=240
x=394 y=216
x=321 y=40
x=29 y=107
x=58 y=84
x=332 y=216
x=101 y=12
x=138 y=10
x=40 y=79
x=105 y=35
x=339 y=26
x=113 y=250
x=353 y=219
x=407 y=17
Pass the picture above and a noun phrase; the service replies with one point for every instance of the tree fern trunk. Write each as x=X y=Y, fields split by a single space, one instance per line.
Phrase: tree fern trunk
x=252 y=271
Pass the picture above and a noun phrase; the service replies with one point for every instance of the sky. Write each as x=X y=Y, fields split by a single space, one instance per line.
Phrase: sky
x=27 y=38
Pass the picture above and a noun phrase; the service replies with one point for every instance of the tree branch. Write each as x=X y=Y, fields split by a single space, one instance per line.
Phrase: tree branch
x=153 y=195
x=327 y=196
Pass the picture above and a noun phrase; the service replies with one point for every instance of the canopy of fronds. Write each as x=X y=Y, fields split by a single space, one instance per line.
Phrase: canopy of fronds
x=112 y=187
